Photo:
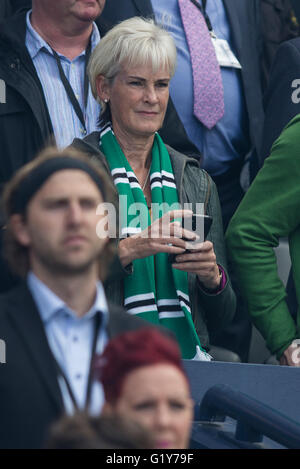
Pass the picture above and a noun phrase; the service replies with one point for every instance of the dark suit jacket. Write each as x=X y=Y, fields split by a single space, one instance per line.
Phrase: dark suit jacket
x=280 y=107
x=5 y=9
x=30 y=397
x=19 y=5
x=244 y=19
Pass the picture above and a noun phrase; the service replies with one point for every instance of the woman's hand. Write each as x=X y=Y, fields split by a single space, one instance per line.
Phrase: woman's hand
x=291 y=355
x=163 y=235
x=201 y=261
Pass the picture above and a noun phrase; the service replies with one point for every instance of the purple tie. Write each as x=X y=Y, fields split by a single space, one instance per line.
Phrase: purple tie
x=208 y=86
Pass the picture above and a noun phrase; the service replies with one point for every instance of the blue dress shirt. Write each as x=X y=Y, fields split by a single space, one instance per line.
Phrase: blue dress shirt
x=229 y=139
x=70 y=339
x=65 y=122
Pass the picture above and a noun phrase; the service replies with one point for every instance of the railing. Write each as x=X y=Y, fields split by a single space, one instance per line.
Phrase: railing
x=254 y=419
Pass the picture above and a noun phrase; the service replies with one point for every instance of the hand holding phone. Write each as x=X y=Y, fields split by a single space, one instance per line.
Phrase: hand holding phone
x=200 y=224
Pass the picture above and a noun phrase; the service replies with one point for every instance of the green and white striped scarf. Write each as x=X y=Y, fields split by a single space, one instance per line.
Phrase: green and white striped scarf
x=155 y=291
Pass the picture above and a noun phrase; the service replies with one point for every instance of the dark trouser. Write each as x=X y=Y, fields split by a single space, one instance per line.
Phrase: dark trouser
x=237 y=335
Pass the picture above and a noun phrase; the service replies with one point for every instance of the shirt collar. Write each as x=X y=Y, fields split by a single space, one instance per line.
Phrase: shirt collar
x=35 y=42
x=49 y=304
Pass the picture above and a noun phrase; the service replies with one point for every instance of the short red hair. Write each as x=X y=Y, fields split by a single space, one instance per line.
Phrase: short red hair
x=131 y=350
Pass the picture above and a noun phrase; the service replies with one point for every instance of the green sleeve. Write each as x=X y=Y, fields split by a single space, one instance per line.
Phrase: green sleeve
x=270 y=210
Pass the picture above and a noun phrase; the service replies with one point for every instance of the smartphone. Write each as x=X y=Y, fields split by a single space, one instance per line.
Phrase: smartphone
x=194 y=224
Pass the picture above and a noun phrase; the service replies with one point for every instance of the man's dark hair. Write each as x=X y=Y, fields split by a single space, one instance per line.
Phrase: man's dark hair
x=82 y=431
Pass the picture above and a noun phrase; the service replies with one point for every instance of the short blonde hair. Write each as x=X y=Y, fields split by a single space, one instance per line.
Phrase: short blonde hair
x=136 y=41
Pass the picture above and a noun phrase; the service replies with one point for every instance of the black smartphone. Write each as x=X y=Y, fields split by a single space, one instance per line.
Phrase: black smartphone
x=196 y=220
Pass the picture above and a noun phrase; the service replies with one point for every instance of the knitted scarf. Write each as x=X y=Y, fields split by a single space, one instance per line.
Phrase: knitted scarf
x=154 y=291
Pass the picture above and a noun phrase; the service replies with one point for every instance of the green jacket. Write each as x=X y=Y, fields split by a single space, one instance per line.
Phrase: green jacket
x=210 y=312
x=270 y=210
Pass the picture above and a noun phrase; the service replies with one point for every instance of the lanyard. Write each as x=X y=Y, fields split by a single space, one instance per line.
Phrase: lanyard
x=69 y=89
x=90 y=376
x=204 y=13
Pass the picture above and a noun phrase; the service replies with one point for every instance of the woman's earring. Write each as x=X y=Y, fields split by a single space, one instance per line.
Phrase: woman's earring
x=106 y=100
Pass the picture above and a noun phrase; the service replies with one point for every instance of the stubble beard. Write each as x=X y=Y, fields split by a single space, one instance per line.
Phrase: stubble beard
x=58 y=266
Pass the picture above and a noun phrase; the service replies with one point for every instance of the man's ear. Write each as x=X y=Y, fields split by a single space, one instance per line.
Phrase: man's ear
x=19 y=229
x=103 y=89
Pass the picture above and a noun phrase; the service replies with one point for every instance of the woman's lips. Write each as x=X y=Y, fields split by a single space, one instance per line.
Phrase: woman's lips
x=163 y=444
x=148 y=113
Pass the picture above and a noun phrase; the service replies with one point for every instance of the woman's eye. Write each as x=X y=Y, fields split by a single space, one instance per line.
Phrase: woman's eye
x=144 y=406
x=135 y=83
x=177 y=405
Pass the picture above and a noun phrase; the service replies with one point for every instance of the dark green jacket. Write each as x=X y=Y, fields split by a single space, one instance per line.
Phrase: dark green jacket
x=269 y=211
x=210 y=312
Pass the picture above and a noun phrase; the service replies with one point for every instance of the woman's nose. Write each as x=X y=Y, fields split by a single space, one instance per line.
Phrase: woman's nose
x=163 y=417
x=151 y=94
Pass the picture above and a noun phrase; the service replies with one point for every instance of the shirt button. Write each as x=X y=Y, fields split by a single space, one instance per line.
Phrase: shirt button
x=75 y=339
x=78 y=376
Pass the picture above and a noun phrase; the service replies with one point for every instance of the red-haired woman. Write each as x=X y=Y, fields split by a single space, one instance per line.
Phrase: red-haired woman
x=144 y=381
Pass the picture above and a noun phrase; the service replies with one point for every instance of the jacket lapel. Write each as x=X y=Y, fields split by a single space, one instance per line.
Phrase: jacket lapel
x=232 y=10
x=179 y=162
x=114 y=325
x=120 y=321
x=26 y=320
x=144 y=7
